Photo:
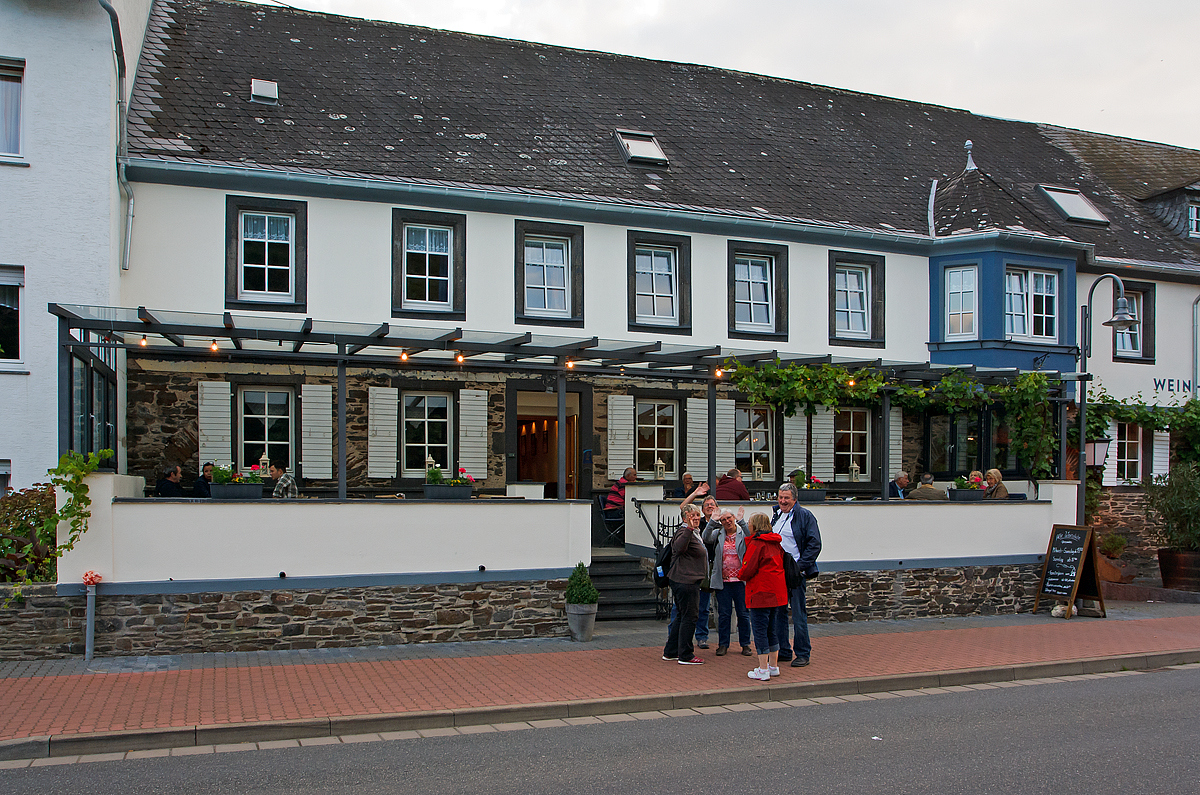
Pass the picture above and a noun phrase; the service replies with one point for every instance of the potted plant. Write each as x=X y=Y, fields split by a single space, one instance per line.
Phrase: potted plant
x=1107 y=566
x=967 y=489
x=581 y=598
x=439 y=487
x=1175 y=499
x=229 y=484
x=808 y=488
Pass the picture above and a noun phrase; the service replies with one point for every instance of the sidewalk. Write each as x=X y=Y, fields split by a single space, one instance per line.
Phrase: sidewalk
x=73 y=707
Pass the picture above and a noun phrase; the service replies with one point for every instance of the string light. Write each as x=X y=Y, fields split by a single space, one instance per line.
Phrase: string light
x=719 y=372
x=143 y=342
x=214 y=346
x=404 y=356
x=458 y=358
x=851 y=382
x=570 y=364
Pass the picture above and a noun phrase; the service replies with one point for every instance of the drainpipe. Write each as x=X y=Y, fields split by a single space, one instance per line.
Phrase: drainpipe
x=122 y=141
x=1195 y=342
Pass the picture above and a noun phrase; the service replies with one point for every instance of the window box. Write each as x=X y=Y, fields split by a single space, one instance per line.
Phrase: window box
x=810 y=495
x=441 y=491
x=965 y=495
x=236 y=491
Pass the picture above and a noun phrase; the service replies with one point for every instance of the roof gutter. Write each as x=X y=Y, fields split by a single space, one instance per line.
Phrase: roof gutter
x=122 y=140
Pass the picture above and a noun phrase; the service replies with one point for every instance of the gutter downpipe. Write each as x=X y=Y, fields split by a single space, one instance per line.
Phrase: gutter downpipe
x=1195 y=342
x=122 y=141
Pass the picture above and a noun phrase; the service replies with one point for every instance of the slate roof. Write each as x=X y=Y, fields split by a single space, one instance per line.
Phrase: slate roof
x=417 y=104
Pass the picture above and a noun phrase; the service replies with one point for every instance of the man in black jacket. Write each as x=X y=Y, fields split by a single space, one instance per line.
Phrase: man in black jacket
x=168 y=484
x=802 y=540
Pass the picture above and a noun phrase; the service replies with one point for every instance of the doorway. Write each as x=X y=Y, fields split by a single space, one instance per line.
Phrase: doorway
x=537 y=441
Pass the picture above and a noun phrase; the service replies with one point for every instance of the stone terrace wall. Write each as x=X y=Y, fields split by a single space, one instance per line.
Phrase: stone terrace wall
x=1124 y=512
x=47 y=625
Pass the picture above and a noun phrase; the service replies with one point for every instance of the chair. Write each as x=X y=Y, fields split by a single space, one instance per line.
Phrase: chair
x=614 y=523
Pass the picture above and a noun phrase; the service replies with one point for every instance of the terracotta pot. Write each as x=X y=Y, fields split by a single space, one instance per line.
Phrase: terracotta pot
x=1180 y=569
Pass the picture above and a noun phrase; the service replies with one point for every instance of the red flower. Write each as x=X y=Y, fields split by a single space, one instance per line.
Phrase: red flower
x=91 y=578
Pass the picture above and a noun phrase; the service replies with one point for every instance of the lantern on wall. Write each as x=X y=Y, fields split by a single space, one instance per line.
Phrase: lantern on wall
x=660 y=470
x=1096 y=451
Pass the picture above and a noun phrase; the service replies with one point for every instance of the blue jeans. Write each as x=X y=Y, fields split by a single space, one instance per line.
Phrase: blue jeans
x=766 y=628
x=733 y=595
x=702 y=617
x=801 y=643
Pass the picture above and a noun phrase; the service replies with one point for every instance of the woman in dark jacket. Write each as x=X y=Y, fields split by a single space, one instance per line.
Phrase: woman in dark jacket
x=689 y=567
x=766 y=593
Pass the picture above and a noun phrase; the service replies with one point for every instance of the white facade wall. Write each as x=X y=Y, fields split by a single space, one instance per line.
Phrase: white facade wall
x=1164 y=381
x=178 y=262
x=60 y=208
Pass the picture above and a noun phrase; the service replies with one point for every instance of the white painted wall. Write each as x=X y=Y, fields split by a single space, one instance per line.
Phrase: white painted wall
x=911 y=530
x=1158 y=383
x=349 y=274
x=155 y=541
x=59 y=203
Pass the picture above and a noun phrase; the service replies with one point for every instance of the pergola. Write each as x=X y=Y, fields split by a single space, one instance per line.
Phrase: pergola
x=268 y=339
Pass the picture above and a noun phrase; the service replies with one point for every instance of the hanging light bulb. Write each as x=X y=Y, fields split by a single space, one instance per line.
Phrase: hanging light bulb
x=851 y=382
x=458 y=358
x=214 y=346
x=404 y=356
x=143 y=342
x=719 y=372
x=570 y=364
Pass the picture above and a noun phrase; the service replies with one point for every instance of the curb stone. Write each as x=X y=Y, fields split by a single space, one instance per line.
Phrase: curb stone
x=69 y=745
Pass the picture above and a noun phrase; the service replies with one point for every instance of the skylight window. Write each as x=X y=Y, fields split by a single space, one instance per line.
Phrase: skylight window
x=1073 y=205
x=265 y=91
x=641 y=148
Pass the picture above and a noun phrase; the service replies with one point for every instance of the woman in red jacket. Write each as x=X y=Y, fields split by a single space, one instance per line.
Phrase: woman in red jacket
x=766 y=593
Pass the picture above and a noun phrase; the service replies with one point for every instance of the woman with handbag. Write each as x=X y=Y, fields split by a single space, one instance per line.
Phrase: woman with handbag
x=766 y=593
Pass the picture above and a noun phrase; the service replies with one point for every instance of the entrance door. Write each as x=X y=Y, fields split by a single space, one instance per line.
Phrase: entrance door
x=537 y=441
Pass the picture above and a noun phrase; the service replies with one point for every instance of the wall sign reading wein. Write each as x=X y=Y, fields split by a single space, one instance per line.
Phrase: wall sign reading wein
x=1070 y=572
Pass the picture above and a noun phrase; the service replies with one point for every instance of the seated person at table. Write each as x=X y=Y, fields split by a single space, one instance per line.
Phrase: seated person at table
x=996 y=490
x=687 y=484
x=898 y=485
x=201 y=487
x=168 y=484
x=731 y=487
x=285 y=484
x=926 y=490
x=614 y=506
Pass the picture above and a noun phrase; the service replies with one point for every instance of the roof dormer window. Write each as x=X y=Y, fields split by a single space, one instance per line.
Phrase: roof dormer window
x=1073 y=205
x=641 y=148
x=265 y=91
x=1193 y=220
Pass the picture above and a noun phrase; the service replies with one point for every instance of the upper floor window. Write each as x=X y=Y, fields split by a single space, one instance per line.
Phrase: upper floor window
x=1137 y=344
x=960 y=303
x=659 y=283
x=851 y=443
x=856 y=299
x=753 y=306
x=1030 y=304
x=657 y=423
x=549 y=274
x=11 y=280
x=1129 y=341
x=852 y=295
x=425 y=418
x=752 y=438
x=1194 y=220
x=266 y=264
x=428 y=265
x=12 y=74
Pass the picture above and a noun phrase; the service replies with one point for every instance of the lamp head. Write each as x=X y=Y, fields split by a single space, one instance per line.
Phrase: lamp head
x=1122 y=319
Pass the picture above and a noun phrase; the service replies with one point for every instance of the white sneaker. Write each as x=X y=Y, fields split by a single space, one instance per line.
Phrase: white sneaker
x=759 y=674
x=773 y=671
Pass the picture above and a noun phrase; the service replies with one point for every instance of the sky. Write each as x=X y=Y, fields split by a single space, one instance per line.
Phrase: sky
x=1113 y=66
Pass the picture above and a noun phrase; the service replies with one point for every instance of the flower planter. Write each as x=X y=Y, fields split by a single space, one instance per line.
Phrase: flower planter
x=441 y=491
x=966 y=495
x=1180 y=569
x=581 y=621
x=810 y=495
x=236 y=491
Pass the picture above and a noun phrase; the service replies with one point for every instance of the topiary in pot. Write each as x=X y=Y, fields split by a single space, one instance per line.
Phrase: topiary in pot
x=581 y=597
x=1174 y=499
x=1112 y=545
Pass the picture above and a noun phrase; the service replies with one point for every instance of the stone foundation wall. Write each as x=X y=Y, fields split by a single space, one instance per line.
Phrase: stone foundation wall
x=1124 y=513
x=46 y=625
x=919 y=593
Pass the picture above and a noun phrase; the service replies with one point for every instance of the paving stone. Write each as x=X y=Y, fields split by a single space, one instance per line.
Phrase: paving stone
x=154 y=753
x=586 y=720
x=711 y=710
x=547 y=724
x=680 y=713
x=194 y=750
x=13 y=764
x=800 y=702
x=648 y=715
x=360 y=738
x=446 y=731
x=829 y=700
x=742 y=707
x=512 y=727
x=55 y=760
x=271 y=744
x=484 y=728
x=225 y=748
x=620 y=717
x=307 y=741
x=115 y=756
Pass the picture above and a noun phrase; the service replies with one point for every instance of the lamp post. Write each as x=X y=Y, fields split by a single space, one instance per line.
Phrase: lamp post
x=1121 y=320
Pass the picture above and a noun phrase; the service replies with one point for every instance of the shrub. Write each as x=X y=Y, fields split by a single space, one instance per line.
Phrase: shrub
x=1175 y=499
x=580 y=590
x=1112 y=545
x=27 y=534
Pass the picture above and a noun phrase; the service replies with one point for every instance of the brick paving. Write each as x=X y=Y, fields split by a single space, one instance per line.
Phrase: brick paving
x=138 y=694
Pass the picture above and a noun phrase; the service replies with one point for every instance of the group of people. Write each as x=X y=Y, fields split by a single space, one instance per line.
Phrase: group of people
x=716 y=551
x=994 y=490
x=170 y=483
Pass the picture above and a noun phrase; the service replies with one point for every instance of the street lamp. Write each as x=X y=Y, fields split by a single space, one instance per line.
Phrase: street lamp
x=1121 y=320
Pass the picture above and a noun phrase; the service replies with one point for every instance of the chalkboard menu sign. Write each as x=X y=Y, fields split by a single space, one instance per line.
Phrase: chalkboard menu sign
x=1069 y=571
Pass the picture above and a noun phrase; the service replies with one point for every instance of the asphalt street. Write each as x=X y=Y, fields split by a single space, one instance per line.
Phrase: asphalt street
x=1126 y=734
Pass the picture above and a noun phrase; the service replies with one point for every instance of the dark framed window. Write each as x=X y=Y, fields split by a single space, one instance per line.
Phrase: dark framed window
x=12 y=280
x=856 y=300
x=758 y=290
x=429 y=265
x=266 y=254
x=549 y=274
x=1136 y=346
x=660 y=283
x=957 y=444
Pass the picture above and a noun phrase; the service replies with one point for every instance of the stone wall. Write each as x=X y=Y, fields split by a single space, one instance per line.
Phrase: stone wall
x=46 y=625
x=918 y=593
x=1123 y=512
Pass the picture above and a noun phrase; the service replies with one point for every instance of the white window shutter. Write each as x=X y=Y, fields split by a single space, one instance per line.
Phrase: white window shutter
x=382 y=408
x=1162 y=453
x=216 y=422
x=822 y=444
x=795 y=443
x=697 y=438
x=472 y=432
x=1110 y=463
x=895 y=441
x=726 y=436
x=316 y=431
x=621 y=451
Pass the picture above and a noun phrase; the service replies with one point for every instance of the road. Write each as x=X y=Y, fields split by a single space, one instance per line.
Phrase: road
x=1130 y=734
